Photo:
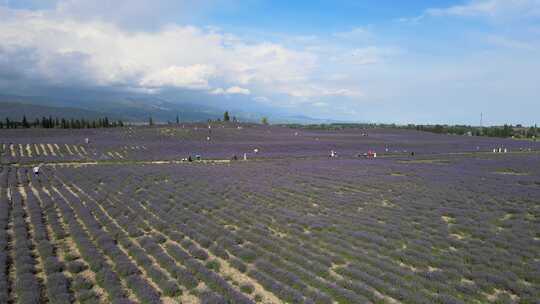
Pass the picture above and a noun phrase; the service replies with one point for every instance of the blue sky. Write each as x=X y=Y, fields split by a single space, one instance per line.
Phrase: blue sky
x=308 y=17
x=380 y=61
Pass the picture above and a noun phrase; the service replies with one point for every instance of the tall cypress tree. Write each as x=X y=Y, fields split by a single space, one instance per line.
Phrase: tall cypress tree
x=25 y=123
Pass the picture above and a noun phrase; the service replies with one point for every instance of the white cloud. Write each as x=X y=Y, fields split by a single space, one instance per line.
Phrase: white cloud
x=231 y=91
x=68 y=47
x=320 y=104
x=411 y=20
x=500 y=10
x=218 y=91
x=363 y=56
x=238 y=90
x=64 y=49
x=311 y=91
x=491 y=8
x=132 y=14
x=356 y=34
x=510 y=43
x=192 y=77
x=262 y=99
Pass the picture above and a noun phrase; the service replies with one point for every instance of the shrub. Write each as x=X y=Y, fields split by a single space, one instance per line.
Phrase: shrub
x=27 y=289
x=156 y=274
x=178 y=253
x=236 y=263
x=57 y=289
x=126 y=268
x=247 y=288
x=170 y=288
x=76 y=266
x=159 y=238
x=111 y=283
x=247 y=255
x=81 y=283
x=198 y=253
x=208 y=297
x=213 y=265
x=52 y=265
x=45 y=249
x=185 y=278
x=70 y=256
x=144 y=291
x=88 y=297
x=219 y=251
x=186 y=243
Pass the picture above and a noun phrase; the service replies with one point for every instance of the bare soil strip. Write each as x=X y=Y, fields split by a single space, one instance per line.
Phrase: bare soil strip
x=51 y=149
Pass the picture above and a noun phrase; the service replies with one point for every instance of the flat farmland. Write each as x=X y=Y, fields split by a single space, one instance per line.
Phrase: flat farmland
x=122 y=219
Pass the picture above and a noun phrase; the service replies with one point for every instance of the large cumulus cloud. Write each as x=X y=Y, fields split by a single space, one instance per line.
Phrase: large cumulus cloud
x=58 y=46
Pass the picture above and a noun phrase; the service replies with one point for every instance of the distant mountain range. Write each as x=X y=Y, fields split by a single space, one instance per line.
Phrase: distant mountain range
x=127 y=109
x=130 y=108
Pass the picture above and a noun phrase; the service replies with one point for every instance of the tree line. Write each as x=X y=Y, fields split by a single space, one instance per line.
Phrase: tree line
x=60 y=123
x=227 y=117
x=517 y=131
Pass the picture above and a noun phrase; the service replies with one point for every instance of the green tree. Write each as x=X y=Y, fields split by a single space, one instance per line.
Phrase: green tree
x=531 y=132
x=25 y=123
x=226 y=116
x=177 y=119
x=150 y=121
x=264 y=120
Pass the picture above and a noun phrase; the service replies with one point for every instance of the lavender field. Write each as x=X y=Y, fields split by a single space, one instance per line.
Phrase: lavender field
x=122 y=219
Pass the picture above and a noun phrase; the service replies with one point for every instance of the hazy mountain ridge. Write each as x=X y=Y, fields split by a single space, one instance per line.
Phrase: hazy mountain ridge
x=16 y=111
x=129 y=108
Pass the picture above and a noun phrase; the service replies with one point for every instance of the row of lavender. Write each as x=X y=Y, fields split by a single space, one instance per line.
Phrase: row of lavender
x=35 y=153
x=28 y=255
x=175 y=142
x=94 y=268
x=326 y=232
x=176 y=256
x=4 y=237
x=173 y=257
